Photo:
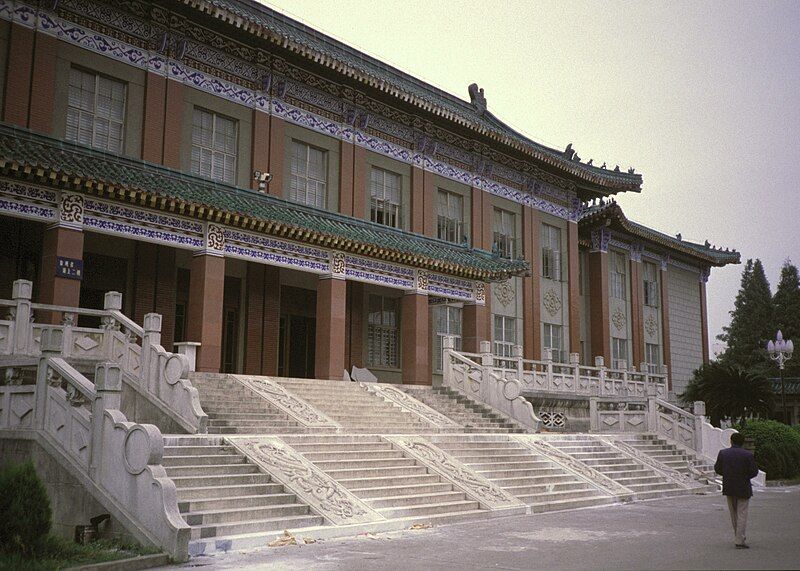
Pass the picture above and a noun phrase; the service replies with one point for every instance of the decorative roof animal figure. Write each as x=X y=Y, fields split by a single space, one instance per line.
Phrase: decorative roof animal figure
x=477 y=98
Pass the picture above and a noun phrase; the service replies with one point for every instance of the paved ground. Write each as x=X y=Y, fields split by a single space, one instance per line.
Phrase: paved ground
x=680 y=533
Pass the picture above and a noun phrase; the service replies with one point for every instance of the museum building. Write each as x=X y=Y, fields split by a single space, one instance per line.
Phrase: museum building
x=299 y=208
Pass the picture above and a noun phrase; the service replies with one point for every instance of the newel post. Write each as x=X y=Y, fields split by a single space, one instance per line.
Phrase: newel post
x=516 y=352
x=652 y=410
x=448 y=345
x=112 y=301
x=51 y=347
x=152 y=336
x=108 y=388
x=487 y=364
x=547 y=355
x=21 y=293
x=594 y=420
x=575 y=363
x=699 y=410
x=600 y=363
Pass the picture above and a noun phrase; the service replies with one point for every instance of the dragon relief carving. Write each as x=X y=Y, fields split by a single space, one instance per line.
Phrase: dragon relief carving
x=409 y=403
x=284 y=400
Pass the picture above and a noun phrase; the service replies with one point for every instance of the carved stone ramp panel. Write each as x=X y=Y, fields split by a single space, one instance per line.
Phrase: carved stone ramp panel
x=409 y=404
x=636 y=455
x=574 y=466
x=297 y=409
x=313 y=486
x=475 y=486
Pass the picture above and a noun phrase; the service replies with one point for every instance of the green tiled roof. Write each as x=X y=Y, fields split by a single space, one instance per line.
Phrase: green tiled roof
x=610 y=210
x=300 y=38
x=39 y=155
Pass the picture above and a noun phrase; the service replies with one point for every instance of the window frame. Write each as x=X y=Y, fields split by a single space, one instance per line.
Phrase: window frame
x=385 y=332
x=293 y=193
x=98 y=76
x=552 y=252
x=503 y=243
x=618 y=279
x=379 y=205
x=653 y=366
x=504 y=347
x=453 y=226
x=618 y=343
x=439 y=335
x=214 y=152
x=547 y=333
x=651 y=290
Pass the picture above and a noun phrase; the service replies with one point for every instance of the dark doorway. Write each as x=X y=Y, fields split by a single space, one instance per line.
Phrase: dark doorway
x=20 y=253
x=298 y=330
x=101 y=275
x=230 y=324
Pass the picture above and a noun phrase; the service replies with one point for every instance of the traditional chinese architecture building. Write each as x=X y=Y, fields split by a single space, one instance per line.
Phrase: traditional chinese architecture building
x=298 y=208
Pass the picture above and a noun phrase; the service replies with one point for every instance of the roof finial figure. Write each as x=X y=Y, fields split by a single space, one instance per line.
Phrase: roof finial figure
x=631 y=170
x=590 y=162
x=477 y=98
x=616 y=168
x=678 y=236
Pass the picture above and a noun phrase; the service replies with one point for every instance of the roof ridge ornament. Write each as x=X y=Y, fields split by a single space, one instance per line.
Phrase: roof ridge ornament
x=477 y=98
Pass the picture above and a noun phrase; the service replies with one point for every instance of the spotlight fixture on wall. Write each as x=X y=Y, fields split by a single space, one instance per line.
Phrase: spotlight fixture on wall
x=262 y=178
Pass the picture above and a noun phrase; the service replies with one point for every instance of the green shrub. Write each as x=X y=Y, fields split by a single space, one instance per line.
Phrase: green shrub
x=27 y=517
x=777 y=448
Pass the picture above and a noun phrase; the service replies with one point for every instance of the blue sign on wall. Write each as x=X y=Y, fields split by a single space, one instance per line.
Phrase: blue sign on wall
x=69 y=268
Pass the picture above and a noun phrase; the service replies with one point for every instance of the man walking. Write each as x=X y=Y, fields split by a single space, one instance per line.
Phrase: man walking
x=736 y=466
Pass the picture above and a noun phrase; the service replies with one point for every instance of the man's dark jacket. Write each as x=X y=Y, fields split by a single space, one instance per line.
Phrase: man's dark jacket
x=736 y=466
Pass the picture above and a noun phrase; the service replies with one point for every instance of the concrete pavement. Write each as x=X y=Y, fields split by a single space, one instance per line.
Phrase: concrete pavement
x=679 y=533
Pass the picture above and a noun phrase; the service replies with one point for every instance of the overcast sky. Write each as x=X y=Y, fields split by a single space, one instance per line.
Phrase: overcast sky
x=702 y=98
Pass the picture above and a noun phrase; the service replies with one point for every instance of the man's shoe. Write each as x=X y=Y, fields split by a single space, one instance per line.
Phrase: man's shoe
x=742 y=546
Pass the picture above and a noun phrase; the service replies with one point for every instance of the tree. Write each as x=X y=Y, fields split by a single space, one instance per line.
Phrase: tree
x=786 y=303
x=730 y=392
x=752 y=322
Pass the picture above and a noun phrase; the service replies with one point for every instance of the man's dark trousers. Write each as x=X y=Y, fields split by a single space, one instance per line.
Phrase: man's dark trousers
x=737 y=466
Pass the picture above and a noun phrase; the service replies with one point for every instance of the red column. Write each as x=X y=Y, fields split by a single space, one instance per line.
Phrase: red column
x=429 y=201
x=263 y=320
x=346 y=165
x=18 y=75
x=704 y=317
x=277 y=133
x=637 y=313
x=155 y=91
x=43 y=84
x=415 y=343
x=598 y=294
x=260 y=146
x=665 y=322
x=531 y=286
x=417 y=201
x=331 y=302
x=59 y=241
x=475 y=320
x=173 y=125
x=574 y=288
x=206 y=289
x=354 y=341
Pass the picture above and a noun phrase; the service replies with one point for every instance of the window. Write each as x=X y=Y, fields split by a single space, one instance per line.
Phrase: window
x=450 y=217
x=619 y=353
x=551 y=252
x=618 y=272
x=95 y=110
x=214 y=146
x=553 y=339
x=448 y=322
x=308 y=182
x=652 y=355
x=504 y=234
x=505 y=335
x=385 y=191
x=382 y=332
x=650 y=285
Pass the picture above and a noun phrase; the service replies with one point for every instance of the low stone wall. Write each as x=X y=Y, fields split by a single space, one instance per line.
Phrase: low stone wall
x=575 y=411
x=137 y=408
x=71 y=504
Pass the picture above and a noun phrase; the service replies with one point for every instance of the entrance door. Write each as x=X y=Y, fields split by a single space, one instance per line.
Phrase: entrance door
x=298 y=330
x=230 y=325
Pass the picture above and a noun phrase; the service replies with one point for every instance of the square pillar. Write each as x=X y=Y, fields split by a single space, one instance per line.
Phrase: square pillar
x=474 y=326
x=262 y=317
x=43 y=84
x=354 y=342
x=600 y=310
x=637 y=311
x=704 y=316
x=531 y=287
x=277 y=133
x=429 y=224
x=414 y=348
x=18 y=75
x=59 y=242
x=331 y=306
x=206 y=289
x=173 y=124
x=260 y=146
x=665 y=323
x=155 y=95
x=574 y=291
x=417 y=201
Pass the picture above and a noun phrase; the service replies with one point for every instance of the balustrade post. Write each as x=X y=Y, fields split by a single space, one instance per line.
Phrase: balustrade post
x=547 y=355
x=600 y=363
x=108 y=396
x=594 y=420
x=448 y=346
x=664 y=371
x=575 y=363
x=645 y=370
x=699 y=410
x=50 y=344
x=652 y=411
x=487 y=364
x=149 y=369
x=112 y=301
x=516 y=352
x=22 y=340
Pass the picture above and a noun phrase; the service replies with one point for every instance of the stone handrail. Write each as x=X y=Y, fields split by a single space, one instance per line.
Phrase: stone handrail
x=551 y=377
x=160 y=376
x=118 y=462
x=482 y=383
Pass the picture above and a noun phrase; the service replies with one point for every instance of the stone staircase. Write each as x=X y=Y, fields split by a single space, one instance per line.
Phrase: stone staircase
x=221 y=495
x=232 y=408
x=531 y=477
x=472 y=416
x=356 y=409
x=643 y=481
x=669 y=454
x=382 y=476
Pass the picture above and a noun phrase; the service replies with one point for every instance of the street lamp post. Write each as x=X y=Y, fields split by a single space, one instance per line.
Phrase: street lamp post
x=781 y=351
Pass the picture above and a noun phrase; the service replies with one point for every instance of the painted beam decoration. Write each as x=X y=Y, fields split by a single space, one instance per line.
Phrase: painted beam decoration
x=81 y=212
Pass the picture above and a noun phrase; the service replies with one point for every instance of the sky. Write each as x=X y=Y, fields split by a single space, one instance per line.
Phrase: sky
x=702 y=98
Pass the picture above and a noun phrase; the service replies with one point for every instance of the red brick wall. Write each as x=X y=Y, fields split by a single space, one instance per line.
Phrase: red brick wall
x=43 y=84
x=173 y=125
x=153 y=123
x=598 y=293
x=574 y=288
x=531 y=286
x=18 y=75
x=206 y=288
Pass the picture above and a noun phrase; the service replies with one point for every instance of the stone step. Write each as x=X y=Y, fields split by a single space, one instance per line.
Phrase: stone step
x=350 y=464
x=348 y=474
x=210 y=459
x=557 y=495
x=416 y=499
x=549 y=488
x=251 y=422
x=487 y=452
x=236 y=515
x=211 y=470
x=571 y=504
x=333 y=439
x=541 y=480
x=228 y=491
x=500 y=472
x=354 y=484
x=639 y=480
x=293 y=522
x=199 y=450
x=433 y=486
x=255 y=501
x=350 y=455
x=227 y=480
x=429 y=509
x=506 y=461
x=254 y=430
x=248 y=415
